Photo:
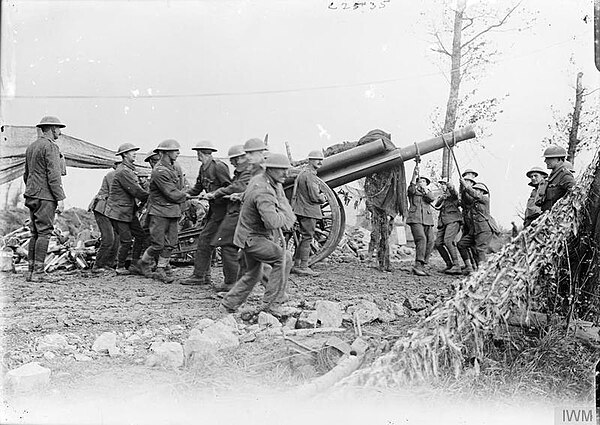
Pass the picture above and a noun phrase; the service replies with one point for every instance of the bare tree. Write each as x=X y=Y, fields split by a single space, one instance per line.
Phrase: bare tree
x=471 y=49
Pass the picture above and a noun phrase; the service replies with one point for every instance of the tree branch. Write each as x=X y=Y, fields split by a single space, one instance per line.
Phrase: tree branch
x=442 y=48
x=496 y=25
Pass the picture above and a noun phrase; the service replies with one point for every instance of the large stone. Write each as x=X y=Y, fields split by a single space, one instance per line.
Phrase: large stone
x=105 y=343
x=222 y=336
x=415 y=304
x=367 y=311
x=307 y=320
x=204 y=323
x=329 y=313
x=52 y=342
x=197 y=347
x=166 y=354
x=266 y=320
x=28 y=377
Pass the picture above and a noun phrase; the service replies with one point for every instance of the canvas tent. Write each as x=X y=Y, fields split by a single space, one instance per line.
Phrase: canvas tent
x=78 y=153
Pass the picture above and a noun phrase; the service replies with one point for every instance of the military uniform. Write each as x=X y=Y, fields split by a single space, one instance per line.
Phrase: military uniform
x=449 y=223
x=212 y=176
x=109 y=243
x=121 y=207
x=265 y=209
x=43 y=191
x=480 y=234
x=532 y=211
x=559 y=182
x=306 y=204
x=420 y=220
x=164 y=209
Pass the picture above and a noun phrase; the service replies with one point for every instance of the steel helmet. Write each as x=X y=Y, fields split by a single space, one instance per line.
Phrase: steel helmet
x=555 y=152
x=254 y=145
x=569 y=167
x=481 y=187
x=205 y=144
x=167 y=145
x=126 y=147
x=538 y=170
x=424 y=178
x=149 y=156
x=316 y=154
x=277 y=160
x=235 y=151
x=468 y=170
x=49 y=120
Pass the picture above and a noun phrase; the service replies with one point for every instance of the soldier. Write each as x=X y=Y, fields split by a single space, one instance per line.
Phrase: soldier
x=420 y=220
x=224 y=236
x=466 y=204
x=449 y=223
x=536 y=176
x=265 y=210
x=121 y=206
x=481 y=231
x=44 y=193
x=306 y=204
x=255 y=150
x=560 y=180
x=165 y=207
x=109 y=242
x=213 y=175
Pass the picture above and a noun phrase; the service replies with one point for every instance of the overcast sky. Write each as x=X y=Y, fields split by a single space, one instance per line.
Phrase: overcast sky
x=306 y=74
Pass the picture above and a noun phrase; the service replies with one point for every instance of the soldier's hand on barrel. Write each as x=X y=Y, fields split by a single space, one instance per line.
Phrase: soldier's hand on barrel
x=235 y=197
x=209 y=196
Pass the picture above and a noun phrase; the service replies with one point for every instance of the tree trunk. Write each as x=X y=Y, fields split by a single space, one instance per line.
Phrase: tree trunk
x=573 y=141
x=455 y=76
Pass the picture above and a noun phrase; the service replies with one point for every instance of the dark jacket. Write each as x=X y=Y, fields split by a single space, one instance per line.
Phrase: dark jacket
x=264 y=210
x=307 y=198
x=166 y=195
x=420 y=210
x=480 y=209
x=212 y=176
x=467 y=204
x=123 y=192
x=99 y=202
x=447 y=203
x=43 y=170
x=532 y=211
x=559 y=182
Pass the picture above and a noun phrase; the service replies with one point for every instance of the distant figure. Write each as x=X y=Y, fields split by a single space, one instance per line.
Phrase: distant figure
x=537 y=177
x=515 y=230
x=44 y=193
x=306 y=203
x=420 y=220
x=560 y=180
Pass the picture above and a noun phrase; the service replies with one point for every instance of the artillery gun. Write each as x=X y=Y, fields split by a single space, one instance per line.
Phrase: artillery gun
x=340 y=169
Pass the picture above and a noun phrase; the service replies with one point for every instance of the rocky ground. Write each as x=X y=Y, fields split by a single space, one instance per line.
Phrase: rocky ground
x=114 y=337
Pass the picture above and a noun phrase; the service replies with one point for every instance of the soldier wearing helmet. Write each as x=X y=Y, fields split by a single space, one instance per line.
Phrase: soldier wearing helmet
x=420 y=220
x=264 y=212
x=449 y=224
x=224 y=235
x=213 y=175
x=44 y=193
x=559 y=182
x=537 y=177
x=164 y=210
x=121 y=206
x=306 y=204
x=255 y=150
x=480 y=234
x=109 y=241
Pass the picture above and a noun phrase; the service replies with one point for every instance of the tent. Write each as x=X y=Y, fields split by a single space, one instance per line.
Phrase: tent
x=78 y=153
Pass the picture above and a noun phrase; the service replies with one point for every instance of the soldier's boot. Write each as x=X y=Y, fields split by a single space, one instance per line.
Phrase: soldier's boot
x=195 y=279
x=418 y=269
x=445 y=256
x=169 y=270
x=467 y=270
x=143 y=266
x=454 y=270
x=304 y=270
x=39 y=275
x=29 y=275
x=159 y=273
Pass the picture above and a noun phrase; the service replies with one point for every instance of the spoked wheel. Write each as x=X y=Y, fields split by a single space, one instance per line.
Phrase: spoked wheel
x=329 y=229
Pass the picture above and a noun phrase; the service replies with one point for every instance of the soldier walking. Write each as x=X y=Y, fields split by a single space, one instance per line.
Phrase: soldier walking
x=306 y=204
x=44 y=193
x=109 y=241
x=214 y=174
x=121 y=206
x=449 y=223
x=420 y=220
x=165 y=208
x=537 y=177
x=559 y=182
x=265 y=211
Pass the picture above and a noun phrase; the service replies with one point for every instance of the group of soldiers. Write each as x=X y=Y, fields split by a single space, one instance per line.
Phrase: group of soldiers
x=467 y=211
x=249 y=233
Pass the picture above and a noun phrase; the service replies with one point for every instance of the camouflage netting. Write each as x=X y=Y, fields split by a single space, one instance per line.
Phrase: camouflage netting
x=551 y=267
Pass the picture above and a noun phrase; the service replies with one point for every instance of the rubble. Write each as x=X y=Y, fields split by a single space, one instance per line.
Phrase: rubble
x=166 y=354
x=53 y=342
x=266 y=320
x=329 y=313
x=365 y=311
x=307 y=320
x=105 y=343
x=28 y=377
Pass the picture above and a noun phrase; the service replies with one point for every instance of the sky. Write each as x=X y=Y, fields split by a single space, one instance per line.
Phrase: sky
x=306 y=74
